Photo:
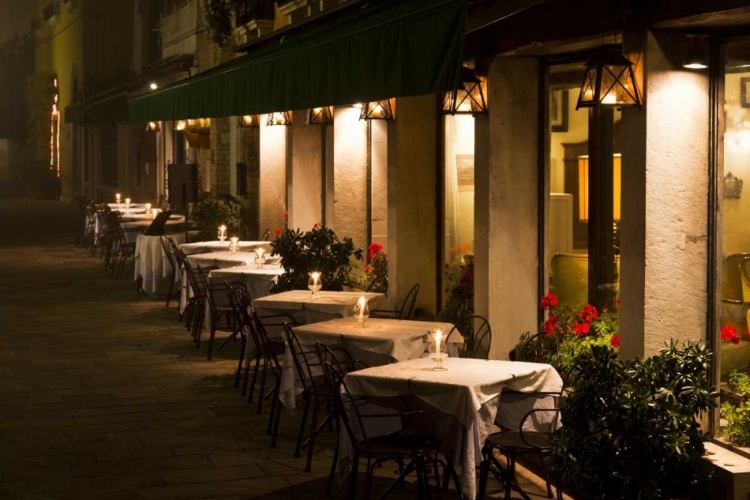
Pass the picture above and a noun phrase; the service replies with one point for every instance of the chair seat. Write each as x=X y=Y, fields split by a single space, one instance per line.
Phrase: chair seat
x=399 y=445
x=514 y=440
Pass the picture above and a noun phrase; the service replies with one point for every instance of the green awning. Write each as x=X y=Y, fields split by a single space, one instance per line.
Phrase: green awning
x=397 y=49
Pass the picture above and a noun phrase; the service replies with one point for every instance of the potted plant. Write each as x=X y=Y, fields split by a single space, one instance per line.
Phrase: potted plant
x=376 y=269
x=210 y=212
x=316 y=250
x=459 y=303
x=629 y=428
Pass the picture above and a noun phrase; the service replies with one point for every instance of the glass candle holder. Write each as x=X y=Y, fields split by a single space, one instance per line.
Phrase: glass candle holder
x=259 y=259
x=148 y=208
x=117 y=198
x=361 y=311
x=222 y=232
x=437 y=351
x=127 y=202
x=315 y=283
x=234 y=244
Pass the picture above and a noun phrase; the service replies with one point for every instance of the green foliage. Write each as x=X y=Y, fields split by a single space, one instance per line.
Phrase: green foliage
x=629 y=427
x=738 y=422
x=739 y=382
x=459 y=305
x=218 y=17
x=316 y=250
x=376 y=268
x=209 y=213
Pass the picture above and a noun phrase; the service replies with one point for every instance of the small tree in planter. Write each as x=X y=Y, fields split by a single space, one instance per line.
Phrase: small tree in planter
x=209 y=213
x=316 y=250
x=629 y=427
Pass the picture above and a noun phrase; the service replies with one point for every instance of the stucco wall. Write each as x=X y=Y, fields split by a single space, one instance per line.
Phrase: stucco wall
x=272 y=175
x=412 y=169
x=665 y=186
x=305 y=203
x=350 y=174
x=506 y=217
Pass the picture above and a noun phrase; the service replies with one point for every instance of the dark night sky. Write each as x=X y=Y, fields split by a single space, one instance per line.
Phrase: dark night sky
x=15 y=17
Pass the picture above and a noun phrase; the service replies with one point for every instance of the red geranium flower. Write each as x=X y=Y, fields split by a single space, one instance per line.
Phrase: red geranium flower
x=316 y=225
x=447 y=265
x=549 y=301
x=373 y=249
x=581 y=329
x=729 y=334
x=549 y=326
x=367 y=269
x=285 y=215
x=588 y=314
x=615 y=341
x=277 y=231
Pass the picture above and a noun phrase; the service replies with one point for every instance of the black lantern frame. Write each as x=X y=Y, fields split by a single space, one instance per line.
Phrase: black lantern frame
x=320 y=116
x=384 y=109
x=471 y=99
x=609 y=81
x=280 y=118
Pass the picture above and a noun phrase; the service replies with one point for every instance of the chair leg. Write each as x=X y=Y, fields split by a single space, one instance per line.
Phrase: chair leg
x=239 y=365
x=262 y=385
x=247 y=376
x=334 y=465
x=511 y=474
x=171 y=287
x=484 y=472
x=368 y=476
x=211 y=338
x=277 y=416
x=352 y=492
x=301 y=433
x=311 y=441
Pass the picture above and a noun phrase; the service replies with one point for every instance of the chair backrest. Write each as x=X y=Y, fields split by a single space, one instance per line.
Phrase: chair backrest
x=342 y=398
x=305 y=359
x=158 y=224
x=570 y=278
x=239 y=300
x=523 y=411
x=266 y=235
x=478 y=341
x=379 y=284
x=260 y=335
x=168 y=248
x=539 y=348
x=407 y=307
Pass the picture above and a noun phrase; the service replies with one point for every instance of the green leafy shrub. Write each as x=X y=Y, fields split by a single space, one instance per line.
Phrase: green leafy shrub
x=737 y=430
x=629 y=427
x=459 y=304
x=376 y=268
x=210 y=212
x=316 y=250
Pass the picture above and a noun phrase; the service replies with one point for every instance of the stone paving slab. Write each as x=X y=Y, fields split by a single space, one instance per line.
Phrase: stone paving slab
x=106 y=397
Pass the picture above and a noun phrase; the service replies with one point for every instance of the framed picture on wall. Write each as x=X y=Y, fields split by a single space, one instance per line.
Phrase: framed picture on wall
x=745 y=92
x=558 y=110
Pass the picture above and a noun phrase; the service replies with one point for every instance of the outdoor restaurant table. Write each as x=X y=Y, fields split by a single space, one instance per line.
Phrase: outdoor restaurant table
x=149 y=217
x=462 y=400
x=382 y=341
x=305 y=309
x=151 y=263
x=219 y=246
x=172 y=226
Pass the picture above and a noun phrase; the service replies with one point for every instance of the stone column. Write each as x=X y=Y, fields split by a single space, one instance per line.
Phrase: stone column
x=664 y=199
x=305 y=203
x=272 y=184
x=412 y=191
x=507 y=203
x=350 y=164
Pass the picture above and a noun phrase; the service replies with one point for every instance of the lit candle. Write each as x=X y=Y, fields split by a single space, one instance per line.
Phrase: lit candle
x=234 y=241
x=117 y=198
x=148 y=208
x=222 y=232
x=127 y=202
x=315 y=277
x=438 y=338
x=361 y=303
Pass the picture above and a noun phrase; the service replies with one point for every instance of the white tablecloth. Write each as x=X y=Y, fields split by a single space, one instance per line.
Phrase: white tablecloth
x=464 y=397
x=381 y=342
x=219 y=246
x=151 y=263
x=305 y=309
x=150 y=217
x=222 y=259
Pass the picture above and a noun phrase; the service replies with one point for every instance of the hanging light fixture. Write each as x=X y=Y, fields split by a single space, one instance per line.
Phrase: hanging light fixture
x=609 y=81
x=250 y=121
x=320 y=116
x=470 y=99
x=153 y=127
x=379 y=110
x=180 y=125
x=696 y=56
x=280 y=118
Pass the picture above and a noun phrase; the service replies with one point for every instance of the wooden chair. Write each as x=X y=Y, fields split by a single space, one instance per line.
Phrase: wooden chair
x=168 y=246
x=403 y=312
x=478 y=341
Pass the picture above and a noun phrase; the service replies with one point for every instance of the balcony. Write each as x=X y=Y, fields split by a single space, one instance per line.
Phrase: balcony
x=252 y=19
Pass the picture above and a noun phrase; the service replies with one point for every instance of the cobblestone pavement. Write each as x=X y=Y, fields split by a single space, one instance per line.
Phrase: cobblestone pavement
x=105 y=397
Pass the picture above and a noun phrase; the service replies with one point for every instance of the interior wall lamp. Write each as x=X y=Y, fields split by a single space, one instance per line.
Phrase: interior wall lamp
x=696 y=56
x=379 y=110
x=280 y=118
x=250 y=121
x=180 y=125
x=153 y=127
x=470 y=99
x=320 y=116
x=583 y=187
